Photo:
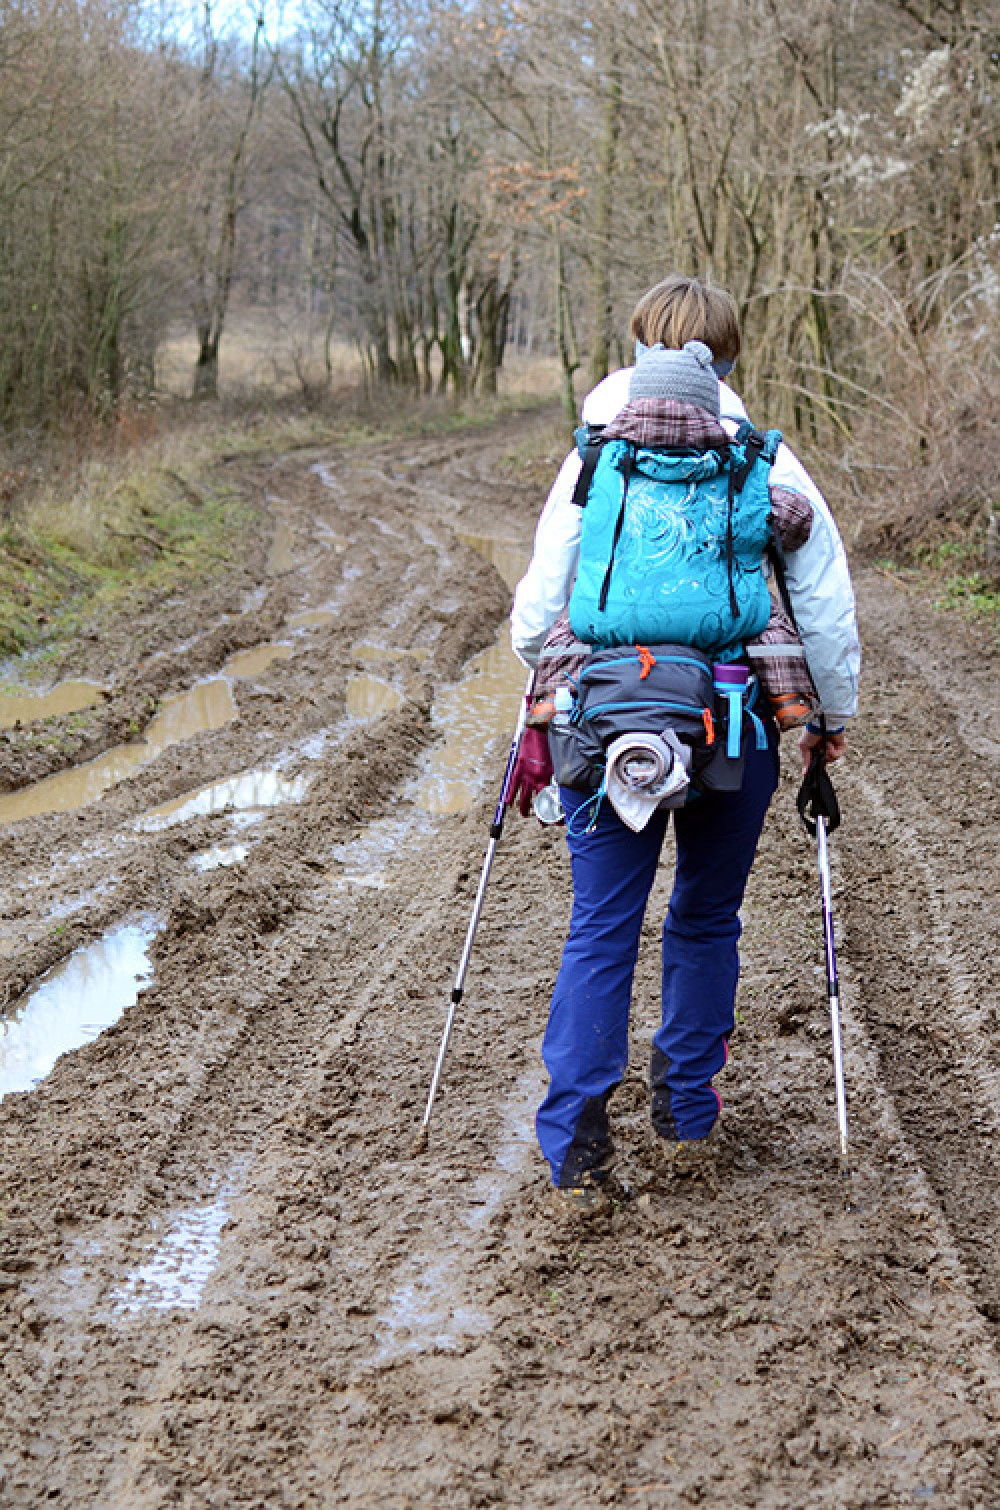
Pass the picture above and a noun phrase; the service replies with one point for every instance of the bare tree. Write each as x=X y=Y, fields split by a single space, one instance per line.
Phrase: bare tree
x=227 y=101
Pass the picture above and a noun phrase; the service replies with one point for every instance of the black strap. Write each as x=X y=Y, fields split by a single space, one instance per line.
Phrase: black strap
x=816 y=798
x=628 y=461
x=737 y=480
x=591 y=454
x=776 y=555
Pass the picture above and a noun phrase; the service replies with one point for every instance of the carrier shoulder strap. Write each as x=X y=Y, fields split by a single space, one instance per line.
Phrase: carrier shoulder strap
x=591 y=453
x=753 y=443
x=628 y=464
x=776 y=556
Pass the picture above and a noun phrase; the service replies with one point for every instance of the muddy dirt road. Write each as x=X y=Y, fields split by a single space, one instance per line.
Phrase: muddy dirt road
x=224 y=1280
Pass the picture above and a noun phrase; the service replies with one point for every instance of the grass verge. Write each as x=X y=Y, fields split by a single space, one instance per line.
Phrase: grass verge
x=154 y=514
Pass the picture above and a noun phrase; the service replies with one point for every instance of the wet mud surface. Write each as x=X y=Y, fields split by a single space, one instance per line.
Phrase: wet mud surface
x=225 y=1279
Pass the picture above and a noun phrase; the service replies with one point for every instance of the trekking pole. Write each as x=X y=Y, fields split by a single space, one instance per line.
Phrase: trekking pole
x=820 y=812
x=496 y=829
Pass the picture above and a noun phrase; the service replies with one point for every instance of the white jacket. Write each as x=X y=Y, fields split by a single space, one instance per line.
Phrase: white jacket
x=819 y=583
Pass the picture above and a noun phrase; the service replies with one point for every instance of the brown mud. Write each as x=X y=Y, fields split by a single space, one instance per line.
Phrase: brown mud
x=224 y=1277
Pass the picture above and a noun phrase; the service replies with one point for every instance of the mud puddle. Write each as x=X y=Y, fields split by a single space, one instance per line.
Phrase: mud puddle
x=255 y=661
x=249 y=795
x=281 y=556
x=27 y=707
x=206 y=706
x=203 y=708
x=74 y=1003
x=508 y=556
x=469 y=716
x=370 y=696
x=312 y=618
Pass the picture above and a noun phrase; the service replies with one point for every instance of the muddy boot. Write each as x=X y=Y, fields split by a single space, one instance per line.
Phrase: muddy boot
x=687 y=1158
x=589 y=1195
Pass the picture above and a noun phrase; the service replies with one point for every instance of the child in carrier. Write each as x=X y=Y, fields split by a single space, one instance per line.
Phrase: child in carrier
x=776 y=654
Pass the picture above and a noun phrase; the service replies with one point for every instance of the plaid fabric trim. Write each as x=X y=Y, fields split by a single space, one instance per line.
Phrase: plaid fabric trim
x=561 y=659
x=779 y=660
x=793 y=516
x=665 y=422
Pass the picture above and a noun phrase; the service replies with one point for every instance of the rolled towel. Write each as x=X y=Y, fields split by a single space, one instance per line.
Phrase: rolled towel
x=644 y=772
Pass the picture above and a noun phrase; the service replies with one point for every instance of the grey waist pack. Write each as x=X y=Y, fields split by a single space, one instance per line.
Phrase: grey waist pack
x=629 y=689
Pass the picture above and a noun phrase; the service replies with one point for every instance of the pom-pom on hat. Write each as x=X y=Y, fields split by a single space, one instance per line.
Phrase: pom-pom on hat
x=685 y=376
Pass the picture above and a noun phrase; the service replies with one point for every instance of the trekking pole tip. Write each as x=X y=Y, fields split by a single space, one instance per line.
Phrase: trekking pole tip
x=420 y=1145
x=846 y=1187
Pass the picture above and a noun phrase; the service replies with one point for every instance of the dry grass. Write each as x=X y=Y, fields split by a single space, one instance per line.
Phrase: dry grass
x=263 y=352
x=105 y=506
x=279 y=353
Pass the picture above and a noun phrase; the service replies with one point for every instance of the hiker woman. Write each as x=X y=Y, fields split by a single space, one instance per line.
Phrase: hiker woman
x=673 y=398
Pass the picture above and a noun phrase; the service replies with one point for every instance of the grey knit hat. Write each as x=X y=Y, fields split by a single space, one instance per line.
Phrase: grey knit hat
x=685 y=376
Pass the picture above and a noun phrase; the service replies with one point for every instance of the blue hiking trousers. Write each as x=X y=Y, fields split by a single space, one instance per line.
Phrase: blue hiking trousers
x=586 y=1041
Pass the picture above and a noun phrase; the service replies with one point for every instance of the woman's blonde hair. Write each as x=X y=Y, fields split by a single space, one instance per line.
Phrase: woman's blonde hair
x=683 y=309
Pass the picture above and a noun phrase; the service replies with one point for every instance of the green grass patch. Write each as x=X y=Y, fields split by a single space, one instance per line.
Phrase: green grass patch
x=972 y=592
x=954 y=569
x=69 y=560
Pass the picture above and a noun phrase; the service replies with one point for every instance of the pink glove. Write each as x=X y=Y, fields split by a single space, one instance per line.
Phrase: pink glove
x=532 y=770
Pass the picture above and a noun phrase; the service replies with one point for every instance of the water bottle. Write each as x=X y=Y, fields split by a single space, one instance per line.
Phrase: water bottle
x=563 y=706
x=546 y=804
x=730 y=683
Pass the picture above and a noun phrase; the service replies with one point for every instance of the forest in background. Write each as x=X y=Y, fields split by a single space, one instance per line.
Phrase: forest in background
x=438 y=186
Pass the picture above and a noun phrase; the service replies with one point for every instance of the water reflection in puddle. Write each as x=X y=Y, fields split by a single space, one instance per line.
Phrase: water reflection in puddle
x=311 y=618
x=254 y=662
x=68 y=697
x=369 y=696
x=470 y=715
x=253 y=791
x=327 y=476
x=206 y=706
x=74 y=1003
x=220 y=856
x=511 y=560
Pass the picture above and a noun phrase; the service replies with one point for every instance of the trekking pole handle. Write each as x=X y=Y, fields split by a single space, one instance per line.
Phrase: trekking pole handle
x=816 y=797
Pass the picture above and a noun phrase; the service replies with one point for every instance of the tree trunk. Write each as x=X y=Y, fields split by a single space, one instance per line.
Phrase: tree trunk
x=601 y=312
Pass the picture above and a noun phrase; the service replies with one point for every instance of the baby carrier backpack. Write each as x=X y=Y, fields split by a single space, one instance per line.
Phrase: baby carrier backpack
x=673 y=543
x=670 y=586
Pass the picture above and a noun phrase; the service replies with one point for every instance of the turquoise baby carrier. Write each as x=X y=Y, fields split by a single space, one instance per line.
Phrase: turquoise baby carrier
x=673 y=543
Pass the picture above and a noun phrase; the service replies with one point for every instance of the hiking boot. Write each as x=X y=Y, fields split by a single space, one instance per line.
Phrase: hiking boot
x=690 y=1157
x=581 y=1200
